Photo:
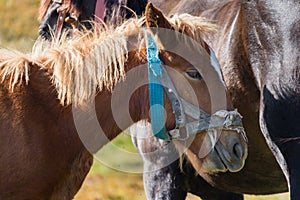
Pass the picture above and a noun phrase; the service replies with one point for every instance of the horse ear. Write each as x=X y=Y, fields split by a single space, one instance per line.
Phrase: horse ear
x=155 y=18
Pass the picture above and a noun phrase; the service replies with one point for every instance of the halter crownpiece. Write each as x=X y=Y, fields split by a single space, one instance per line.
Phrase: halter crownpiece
x=160 y=81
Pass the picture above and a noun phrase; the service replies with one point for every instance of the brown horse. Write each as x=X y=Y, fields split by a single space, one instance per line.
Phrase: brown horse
x=43 y=157
x=49 y=15
x=242 y=32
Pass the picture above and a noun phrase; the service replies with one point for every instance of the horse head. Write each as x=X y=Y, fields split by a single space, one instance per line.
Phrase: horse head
x=213 y=146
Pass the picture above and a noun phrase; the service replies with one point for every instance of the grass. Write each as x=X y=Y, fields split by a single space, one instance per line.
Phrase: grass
x=111 y=185
x=18 y=29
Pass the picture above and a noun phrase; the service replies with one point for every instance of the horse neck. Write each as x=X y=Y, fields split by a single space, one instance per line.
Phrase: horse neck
x=166 y=5
x=77 y=121
x=232 y=54
x=41 y=94
x=127 y=103
x=37 y=112
x=99 y=121
x=271 y=31
x=194 y=7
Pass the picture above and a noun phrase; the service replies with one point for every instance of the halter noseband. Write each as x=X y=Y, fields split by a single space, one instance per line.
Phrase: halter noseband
x=160 y=81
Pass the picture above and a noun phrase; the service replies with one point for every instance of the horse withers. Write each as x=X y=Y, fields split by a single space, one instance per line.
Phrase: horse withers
x=50 y=97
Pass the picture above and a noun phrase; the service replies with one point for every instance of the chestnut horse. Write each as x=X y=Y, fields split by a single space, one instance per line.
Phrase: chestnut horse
x=47 y=96
x=254 y=42
x=48 y=16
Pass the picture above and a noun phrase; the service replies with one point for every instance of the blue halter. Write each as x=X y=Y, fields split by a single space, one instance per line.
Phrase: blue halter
x=156 y=90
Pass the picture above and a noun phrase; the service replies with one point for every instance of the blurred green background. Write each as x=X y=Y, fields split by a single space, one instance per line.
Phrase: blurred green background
x=18 y=30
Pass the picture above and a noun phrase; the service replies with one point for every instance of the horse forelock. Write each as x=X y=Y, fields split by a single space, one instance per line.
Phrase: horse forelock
x=87 y=61
x=195 y=27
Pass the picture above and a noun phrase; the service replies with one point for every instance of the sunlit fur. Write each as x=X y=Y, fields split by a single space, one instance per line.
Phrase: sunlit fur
x=88 y=61
x=195 y=27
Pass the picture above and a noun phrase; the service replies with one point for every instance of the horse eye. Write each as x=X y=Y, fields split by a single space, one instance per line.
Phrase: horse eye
x=194 y=74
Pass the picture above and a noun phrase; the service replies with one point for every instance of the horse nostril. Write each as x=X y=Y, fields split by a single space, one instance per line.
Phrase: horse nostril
x=238 y=150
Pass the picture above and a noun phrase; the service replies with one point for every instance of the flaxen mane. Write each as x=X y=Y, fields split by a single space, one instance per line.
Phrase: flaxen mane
x=88 y=60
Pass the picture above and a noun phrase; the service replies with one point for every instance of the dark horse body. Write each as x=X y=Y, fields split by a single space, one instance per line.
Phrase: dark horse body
x=273 y=48
x=258 y=48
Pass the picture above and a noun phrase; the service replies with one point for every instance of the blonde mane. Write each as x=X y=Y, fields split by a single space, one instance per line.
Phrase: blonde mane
x=88 y=60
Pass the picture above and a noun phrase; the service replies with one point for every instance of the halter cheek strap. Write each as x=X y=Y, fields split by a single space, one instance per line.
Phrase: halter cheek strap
x=156 y=93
